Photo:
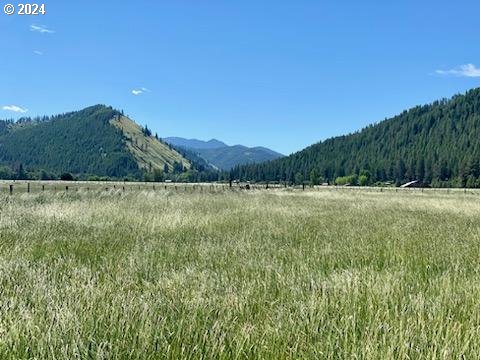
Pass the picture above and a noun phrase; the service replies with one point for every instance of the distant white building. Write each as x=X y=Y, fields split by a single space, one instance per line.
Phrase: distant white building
x=414 y=183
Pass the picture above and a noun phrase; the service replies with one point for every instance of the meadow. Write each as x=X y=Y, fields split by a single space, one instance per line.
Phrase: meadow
x=277 y=274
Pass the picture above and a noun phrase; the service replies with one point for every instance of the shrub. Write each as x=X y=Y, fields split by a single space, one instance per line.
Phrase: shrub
x=346 y=180
x=66 y=177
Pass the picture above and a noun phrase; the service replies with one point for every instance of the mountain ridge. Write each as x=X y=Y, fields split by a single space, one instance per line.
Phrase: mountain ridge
x=436 y=144
x=223 y=156
x=97 y=140
x=195 y=143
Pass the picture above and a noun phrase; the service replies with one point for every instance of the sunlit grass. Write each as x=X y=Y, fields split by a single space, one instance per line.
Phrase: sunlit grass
x=279 y=274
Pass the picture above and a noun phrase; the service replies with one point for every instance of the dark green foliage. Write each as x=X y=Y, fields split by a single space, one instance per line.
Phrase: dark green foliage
x=66 y=177
x=20 y=173
x=146 y=131
x=299 y=179
x=147 y=177
x=158 y=175
x=315 y=179
x=45 y=175
x=81 y=143
x=6 y=173
x=437 y=144
x=4 y=125
x=177 y=167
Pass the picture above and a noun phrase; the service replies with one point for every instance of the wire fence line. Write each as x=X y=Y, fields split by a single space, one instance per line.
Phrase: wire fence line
x=24 y=186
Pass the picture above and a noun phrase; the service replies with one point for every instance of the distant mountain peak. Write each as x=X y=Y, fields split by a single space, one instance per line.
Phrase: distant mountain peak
x=195 y=143
x=216 y=143
x=222 y=156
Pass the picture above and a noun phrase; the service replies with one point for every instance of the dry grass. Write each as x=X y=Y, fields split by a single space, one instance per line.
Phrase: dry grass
x=148 y=151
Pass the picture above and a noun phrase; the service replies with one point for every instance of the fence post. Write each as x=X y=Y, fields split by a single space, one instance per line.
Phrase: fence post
x=28 y=187
x=66 y=188
x=43 y=187
x=303 y=186
x=11 y=189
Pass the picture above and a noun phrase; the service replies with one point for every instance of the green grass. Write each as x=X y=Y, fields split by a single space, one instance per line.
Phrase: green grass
x=279 y=274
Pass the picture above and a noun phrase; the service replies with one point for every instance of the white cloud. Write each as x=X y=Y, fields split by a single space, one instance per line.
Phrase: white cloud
x=468 y=70
x=15 y=108
x=140 y=91
x=37 y=52
x=42 y=29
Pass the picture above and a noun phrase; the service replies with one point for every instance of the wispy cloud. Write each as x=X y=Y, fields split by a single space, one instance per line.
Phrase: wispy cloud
x=38 y=52
x=467 y=70
x=42 y=29
x=15 y=108
x=140 y=91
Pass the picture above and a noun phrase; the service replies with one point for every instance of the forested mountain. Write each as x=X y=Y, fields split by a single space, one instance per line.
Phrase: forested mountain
x=96 y=141
x=222 y=156
x=437 y=144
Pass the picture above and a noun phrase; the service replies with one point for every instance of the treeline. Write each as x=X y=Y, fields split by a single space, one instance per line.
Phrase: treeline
x=180 y=174
x=156 y=175
x=436 y=144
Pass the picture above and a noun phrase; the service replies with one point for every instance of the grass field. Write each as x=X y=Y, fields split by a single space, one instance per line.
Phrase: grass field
x=260 y=274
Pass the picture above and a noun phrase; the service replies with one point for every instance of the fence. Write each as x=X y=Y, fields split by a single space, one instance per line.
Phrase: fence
x=16 y=187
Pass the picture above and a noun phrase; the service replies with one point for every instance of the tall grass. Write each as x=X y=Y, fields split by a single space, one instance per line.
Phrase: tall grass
x=151 y=275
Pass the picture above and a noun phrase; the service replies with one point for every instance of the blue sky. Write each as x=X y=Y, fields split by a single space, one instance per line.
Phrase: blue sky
x=282 y=74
